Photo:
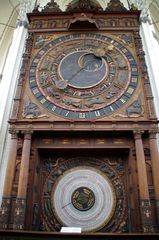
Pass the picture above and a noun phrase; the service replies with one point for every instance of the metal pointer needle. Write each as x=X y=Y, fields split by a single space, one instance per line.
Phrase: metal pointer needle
x=66 y=205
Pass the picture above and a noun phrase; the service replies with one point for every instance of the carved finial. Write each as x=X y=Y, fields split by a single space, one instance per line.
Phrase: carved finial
x=115 y=6
x=133 y=7
x=52 y=6
x=84 y=5
x=36 y=7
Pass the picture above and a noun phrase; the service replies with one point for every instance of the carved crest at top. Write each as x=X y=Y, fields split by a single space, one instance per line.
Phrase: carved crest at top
x=115 y=6
x=52 y=6
x=84 y=5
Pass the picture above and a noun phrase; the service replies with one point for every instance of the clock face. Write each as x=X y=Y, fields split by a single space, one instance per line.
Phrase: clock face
x=83 y=76
x=83 y=192
x=84 y=197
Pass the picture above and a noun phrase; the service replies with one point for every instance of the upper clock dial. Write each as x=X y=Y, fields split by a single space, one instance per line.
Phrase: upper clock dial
x=82 y=69
x=83 y=76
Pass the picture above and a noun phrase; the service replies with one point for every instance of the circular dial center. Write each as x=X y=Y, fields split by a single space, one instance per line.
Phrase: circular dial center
x=82 y=69
x=83 y=199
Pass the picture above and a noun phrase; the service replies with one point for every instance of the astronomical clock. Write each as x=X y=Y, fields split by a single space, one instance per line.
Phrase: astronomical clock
x=84 y=124
x=84 y=75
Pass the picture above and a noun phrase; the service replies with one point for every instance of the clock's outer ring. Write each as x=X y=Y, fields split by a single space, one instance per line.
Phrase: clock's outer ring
x=100 y=110
x=64 y=193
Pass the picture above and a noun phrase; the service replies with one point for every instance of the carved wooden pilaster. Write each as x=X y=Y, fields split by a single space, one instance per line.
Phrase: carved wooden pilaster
x=155 y=167
x=6 y=199
x=5 y=212
x=144 y=76
x=157 y=209
x=146 y=215
x=26 y=57
x=145 y=206
x=19 y=214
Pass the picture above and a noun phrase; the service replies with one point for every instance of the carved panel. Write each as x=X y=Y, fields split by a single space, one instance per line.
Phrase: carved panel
x=146 y=214
x=5 y=212
x=103 y=23
x=19 y=213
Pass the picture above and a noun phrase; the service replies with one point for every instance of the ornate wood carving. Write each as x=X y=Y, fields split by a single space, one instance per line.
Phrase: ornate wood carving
x=52 y=6
x=83 y=5
x=5 y=212
x=146 y=214
x=141 y=55
x=19 y=214
x=104 y=22
x=135 y=109
x=115 y=6
x=32 y=111
x=22 y=77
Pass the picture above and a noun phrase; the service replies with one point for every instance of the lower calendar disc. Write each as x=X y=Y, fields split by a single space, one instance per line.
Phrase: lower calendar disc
x=83 y=197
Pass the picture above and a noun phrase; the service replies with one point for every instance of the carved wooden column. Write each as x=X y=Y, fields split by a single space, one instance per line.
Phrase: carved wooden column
x=6 y=200
x=145 y=205
x=155 y=167
x=19 y=214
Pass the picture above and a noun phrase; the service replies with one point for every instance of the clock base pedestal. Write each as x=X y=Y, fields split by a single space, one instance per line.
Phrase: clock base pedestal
x=29 y=235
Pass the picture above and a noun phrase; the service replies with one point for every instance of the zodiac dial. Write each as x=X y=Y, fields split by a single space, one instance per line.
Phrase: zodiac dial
x=83 y=76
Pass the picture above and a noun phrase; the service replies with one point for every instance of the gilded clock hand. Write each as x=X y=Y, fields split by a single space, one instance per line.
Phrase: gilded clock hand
x=81 y=68
x=100 y=52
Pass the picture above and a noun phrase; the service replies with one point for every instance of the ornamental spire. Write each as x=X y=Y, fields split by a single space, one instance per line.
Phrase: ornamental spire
x=84 y=5
x=115 y=6
x=52 y=6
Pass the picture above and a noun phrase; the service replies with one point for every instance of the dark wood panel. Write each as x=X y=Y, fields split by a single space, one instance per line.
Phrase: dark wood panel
x=24 y=235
